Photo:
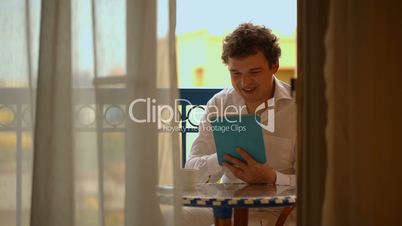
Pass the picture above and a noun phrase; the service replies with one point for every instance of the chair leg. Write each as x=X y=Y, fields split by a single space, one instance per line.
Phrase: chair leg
x=223 y=222
x=240 y=217
x=284 y=215
x=223 y=216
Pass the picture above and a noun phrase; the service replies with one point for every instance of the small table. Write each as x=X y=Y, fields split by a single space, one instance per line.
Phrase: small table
x=223 y=198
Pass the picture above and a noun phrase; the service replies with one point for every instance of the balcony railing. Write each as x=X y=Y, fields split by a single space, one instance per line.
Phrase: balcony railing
x=15 y=103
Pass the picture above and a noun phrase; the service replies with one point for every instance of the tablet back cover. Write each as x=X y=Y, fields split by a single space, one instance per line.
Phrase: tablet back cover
x=230 y=132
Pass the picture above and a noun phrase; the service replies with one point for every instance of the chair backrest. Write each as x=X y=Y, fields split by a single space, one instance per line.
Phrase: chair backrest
x=197 y=98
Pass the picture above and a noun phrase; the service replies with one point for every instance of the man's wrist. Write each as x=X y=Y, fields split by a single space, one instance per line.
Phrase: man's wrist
x=271 y=177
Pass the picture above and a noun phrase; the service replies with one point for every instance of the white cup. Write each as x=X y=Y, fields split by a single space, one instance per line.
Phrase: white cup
x=189 y=177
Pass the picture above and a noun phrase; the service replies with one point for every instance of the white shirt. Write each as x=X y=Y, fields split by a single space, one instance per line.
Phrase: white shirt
x=280 y=145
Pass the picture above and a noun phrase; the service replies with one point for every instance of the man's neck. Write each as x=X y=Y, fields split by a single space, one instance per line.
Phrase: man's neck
x=251 y=107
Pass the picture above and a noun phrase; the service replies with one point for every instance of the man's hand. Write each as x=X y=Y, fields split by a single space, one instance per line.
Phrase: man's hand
x=250 y=170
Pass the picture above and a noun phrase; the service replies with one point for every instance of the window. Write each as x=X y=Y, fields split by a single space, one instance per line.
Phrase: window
x=201 y=27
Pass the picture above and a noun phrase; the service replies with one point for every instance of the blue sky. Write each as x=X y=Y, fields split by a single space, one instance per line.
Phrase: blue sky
x=218 y=16
x=221 y=16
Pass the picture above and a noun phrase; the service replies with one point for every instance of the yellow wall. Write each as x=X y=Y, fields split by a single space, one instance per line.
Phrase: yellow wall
x=200 y=64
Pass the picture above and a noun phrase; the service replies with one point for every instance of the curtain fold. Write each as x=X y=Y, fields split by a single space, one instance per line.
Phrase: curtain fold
x=141 y=149
x=364 y=124
x=66 y=84
x=177 y=200
x=339 y=131
x=52 y=189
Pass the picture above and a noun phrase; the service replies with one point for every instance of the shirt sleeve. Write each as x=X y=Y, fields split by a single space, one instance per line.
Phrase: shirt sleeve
x=203 y=153
x=285 y=179
x=288 y=179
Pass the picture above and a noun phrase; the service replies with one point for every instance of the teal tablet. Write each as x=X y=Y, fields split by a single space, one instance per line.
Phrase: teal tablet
x=235 y=131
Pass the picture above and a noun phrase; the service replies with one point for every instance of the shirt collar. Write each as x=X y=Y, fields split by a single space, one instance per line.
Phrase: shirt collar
x=282 y=91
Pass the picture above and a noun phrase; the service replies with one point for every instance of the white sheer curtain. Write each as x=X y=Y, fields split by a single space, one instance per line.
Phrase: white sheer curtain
x=79 y=64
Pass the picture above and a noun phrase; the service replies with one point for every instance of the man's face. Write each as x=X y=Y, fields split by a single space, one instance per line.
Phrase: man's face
x=252 y=77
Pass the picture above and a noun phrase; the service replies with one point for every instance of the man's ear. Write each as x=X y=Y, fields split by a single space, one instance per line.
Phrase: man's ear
x=275 y=67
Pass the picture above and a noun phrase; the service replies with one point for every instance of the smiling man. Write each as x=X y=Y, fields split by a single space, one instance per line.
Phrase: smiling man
x=252 y=55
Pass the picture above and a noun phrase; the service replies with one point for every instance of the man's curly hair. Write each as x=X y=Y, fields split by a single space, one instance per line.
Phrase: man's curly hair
x=247 y=39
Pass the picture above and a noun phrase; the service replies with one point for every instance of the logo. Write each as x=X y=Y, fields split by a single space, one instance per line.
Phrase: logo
x=269 y=115
x=147 y=110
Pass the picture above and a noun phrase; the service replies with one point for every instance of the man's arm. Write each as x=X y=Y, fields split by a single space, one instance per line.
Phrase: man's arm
x=288 y=179
x=203 y=153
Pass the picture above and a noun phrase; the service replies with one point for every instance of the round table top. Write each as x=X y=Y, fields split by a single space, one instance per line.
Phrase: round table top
x=239 y=195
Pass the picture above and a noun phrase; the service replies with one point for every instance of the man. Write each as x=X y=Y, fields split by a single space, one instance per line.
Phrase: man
x=252 y=55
